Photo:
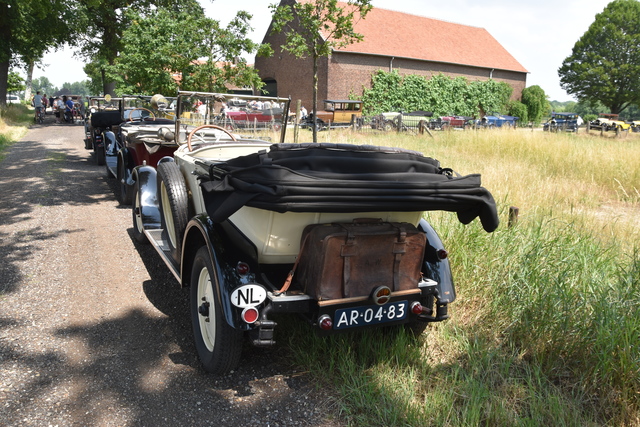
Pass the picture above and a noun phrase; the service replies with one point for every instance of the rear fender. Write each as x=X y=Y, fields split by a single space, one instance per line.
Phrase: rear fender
x=435 y=268
x=226 y=247
x=146 y=178
x=111 y=143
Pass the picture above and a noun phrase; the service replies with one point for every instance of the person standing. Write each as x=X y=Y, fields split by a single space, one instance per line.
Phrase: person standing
x=68 y=111
x=59 y=110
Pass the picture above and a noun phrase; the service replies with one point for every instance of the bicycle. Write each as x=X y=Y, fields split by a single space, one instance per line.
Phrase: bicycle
x=39 y=115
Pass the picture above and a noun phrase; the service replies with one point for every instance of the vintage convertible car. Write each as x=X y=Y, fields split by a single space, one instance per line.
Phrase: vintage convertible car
x=137 y=142
x=563 y=121
x=245 y=114
x=337 y=113
x=331 y=233
x=103 y=115
x=403 y=121
x=497 y=121
x=610 y=122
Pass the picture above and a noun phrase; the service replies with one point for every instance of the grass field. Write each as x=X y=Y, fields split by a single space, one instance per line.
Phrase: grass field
x=546 y=327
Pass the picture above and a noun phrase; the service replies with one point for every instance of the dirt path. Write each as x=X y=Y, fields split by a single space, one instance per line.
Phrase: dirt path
x=94 y=330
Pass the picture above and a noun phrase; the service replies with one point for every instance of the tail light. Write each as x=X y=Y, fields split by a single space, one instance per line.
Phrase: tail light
x=325 y=322
x=242 y=268
x=442 y=254
x=250 y=315
x=416 y=307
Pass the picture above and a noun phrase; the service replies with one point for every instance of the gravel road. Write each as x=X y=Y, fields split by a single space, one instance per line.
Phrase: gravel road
x=94 y=330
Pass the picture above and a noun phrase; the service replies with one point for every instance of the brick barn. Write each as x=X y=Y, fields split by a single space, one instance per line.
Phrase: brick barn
x=410 y=44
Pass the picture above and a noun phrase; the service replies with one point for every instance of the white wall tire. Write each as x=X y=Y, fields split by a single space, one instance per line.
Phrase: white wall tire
x=174 y=205
x=218 y=344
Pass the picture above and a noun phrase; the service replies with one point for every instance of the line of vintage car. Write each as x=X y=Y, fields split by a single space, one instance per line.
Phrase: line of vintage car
x=415 y=119
x=231 y=217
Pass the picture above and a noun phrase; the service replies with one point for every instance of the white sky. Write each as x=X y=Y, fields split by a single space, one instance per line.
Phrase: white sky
x=539 y=34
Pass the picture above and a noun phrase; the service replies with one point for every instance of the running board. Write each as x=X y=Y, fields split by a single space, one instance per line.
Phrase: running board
x=155 y=238
x=112 y=164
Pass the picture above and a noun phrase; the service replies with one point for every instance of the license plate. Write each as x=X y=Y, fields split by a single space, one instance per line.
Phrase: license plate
x=370 y=315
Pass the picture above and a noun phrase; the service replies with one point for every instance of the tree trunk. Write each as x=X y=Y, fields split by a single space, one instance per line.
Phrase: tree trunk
x=314 y=107
x=110 y=88
x=5 y=51
x=28 y=89
x=4 y=75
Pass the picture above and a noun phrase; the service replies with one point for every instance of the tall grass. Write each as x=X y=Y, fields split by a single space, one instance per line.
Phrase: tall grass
x=546 y=327
x=14 y=120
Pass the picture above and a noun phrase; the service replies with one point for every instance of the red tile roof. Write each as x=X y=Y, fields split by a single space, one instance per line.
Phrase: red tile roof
x=398 y=34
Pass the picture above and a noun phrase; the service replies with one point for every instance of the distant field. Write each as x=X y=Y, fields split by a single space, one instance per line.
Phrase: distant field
x=546 y=327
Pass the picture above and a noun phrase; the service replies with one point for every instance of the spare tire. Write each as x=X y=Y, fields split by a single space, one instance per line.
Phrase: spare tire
x=174 y=207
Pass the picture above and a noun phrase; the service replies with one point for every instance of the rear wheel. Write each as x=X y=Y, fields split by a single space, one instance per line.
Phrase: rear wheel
x=124 y=196
x=174 y=205
x=219 y=345
x=416 y=328
x=101 y=158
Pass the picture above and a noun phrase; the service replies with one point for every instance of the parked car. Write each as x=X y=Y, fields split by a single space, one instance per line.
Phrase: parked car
x=497 y=120
x=619 y=124
x=610 y=122
x=332 y=233
x=103 y=116
x=269 y=116
x=13 y=99
x=563 y=121
x=336 y=113
x=138 y=142
x=393 y=120
x=455 y=122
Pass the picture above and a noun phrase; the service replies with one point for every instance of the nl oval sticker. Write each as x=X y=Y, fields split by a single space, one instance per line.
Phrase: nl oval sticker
x=248 y=296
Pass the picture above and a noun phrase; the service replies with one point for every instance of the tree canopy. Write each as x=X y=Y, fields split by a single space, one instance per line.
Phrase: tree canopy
x=604 y=65
x=165 y=50
x=99 y=27
x=314 y=28
x=28 y=28
x=536 y=101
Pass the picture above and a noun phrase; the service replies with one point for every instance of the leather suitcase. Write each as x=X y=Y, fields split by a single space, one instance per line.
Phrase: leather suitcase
x=351 y=260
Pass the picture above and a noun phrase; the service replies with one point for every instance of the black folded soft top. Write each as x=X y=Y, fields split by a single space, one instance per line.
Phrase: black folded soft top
x=317 y=177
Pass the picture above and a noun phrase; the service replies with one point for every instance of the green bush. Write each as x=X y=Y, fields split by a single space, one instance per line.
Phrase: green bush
x=518 y=109
x=440 y=94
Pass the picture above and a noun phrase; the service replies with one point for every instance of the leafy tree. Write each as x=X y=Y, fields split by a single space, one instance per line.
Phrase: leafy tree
x=316 y=27
x=15 y=83
x=76 y=88
x=605 y=62
x=43 y=85
x=491 y=95
x=519 y=110
x=536 y=101
x=101 y=23
x=24 y=38
x=188 y=45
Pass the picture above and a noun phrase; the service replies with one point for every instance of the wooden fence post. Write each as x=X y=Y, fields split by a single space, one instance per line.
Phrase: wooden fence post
x=513 y=216
x=296 y=122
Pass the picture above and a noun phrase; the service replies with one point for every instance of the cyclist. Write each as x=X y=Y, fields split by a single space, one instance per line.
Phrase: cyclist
x=39 y=106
